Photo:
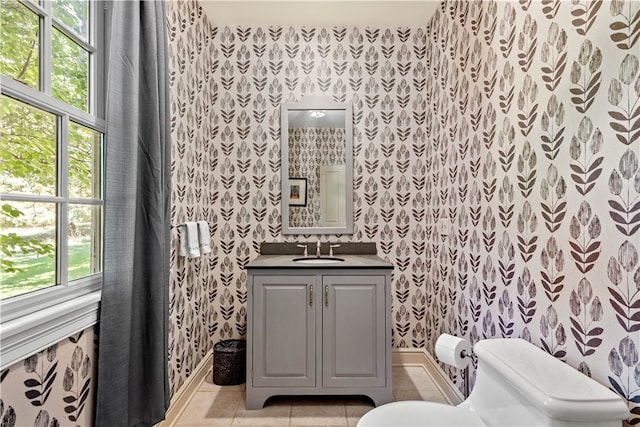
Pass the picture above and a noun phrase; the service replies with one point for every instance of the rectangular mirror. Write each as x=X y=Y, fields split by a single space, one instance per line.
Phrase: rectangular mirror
x=317 y=167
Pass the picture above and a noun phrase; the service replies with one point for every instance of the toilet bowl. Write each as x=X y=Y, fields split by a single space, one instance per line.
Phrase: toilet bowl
x=414 y=413
x=517 y=384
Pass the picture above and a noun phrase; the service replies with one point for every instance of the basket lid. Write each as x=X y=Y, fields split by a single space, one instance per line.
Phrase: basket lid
x=230 y=346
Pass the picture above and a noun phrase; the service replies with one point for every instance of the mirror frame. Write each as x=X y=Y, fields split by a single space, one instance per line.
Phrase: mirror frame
x=316 y=103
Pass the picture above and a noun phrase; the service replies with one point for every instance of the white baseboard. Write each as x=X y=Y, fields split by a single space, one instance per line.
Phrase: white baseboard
x=180 y=400
x=399 y=357
x=419 y=357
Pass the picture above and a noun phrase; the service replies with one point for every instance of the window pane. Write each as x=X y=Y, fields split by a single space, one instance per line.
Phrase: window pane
x=19 y=47
x=74 y=14
x=70 y=74
x=27 y=149
x=85 y=162
x=28 y=247
x=85 y=240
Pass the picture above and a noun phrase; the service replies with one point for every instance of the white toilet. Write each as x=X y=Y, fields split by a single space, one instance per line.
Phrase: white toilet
x=517 y=384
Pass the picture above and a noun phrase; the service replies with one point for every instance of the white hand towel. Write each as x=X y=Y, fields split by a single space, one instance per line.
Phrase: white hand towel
x=204 y=237
x=193 y=247
x=182 y=234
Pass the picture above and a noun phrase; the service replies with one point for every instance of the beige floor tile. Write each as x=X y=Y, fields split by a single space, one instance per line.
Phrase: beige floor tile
x=356 y=411
x=212 y=408
x=318 y=411
x=425 y=395
x=208 y=385
x=215 y=405
x=200 y=425
x=274 y=413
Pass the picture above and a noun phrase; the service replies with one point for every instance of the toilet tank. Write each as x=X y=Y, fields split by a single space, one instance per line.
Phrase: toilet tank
x=518 y=384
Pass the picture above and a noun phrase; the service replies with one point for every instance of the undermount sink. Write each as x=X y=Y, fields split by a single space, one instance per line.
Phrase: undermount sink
x=318 y=260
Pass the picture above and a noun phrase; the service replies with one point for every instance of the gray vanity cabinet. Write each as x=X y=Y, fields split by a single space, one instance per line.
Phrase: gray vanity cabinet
x=284 y=331
x=318 y=331
x=353 y=331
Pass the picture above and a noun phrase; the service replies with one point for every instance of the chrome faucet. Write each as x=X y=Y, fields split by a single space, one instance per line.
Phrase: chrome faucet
x=305 y=249
x=331 y=249
x=318 y=249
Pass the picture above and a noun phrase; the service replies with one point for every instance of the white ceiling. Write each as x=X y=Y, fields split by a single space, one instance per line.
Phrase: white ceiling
x=318 y=13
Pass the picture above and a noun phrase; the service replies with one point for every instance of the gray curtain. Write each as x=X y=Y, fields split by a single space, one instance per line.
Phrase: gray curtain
x=132 y=385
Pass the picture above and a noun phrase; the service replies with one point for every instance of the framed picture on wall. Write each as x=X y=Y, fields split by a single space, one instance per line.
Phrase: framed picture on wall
x=297 y=191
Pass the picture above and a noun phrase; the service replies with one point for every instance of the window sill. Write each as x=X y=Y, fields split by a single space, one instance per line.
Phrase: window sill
x=25 y=335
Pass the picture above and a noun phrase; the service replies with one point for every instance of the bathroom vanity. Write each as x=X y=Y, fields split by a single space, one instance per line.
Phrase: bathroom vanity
x=318 y=327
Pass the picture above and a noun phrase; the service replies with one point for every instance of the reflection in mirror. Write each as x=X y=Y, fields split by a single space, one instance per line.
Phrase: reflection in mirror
x=317 y=143
x=318 y=160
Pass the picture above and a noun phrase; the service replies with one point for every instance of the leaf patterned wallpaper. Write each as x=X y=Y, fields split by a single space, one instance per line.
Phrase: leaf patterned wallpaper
x=513 y=125
x=52 y=388
x=533 y=164
x=227 y=88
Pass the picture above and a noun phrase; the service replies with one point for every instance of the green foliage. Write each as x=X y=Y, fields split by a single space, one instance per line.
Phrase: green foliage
x=35 y=272
x=74 y=14
x=10 y=211
x=70 y=76
x=19 y=43
x=12 y=243
x=27 y=149
x=85 y=147
x=28 y=135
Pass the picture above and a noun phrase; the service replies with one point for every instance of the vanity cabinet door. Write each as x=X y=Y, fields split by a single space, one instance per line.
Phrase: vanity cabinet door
x=354 y=335
x=284 y=331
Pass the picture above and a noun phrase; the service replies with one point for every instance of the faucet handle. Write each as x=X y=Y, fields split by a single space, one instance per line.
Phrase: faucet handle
x=331 y=249
x=306 y=251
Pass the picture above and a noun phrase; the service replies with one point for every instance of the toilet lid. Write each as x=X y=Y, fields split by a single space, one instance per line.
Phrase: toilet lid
x=419 y=413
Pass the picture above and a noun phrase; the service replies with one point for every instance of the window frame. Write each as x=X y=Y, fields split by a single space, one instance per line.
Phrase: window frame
x=33 y=321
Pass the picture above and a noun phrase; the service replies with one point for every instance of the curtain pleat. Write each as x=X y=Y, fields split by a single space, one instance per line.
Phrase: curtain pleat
x=132 y=385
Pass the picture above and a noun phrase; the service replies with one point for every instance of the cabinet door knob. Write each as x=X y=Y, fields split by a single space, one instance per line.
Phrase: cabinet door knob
x=311 y=295
x=326 y=295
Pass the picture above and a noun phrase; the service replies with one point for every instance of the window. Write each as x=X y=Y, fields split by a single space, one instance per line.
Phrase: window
x=51 y=170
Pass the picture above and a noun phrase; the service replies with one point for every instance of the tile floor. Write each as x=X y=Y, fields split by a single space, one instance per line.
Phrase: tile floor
x=214 y=405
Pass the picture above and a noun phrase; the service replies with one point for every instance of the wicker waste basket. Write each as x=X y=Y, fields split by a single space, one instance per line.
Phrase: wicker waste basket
x=229 y=362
